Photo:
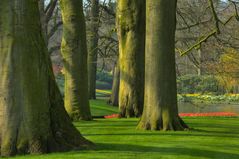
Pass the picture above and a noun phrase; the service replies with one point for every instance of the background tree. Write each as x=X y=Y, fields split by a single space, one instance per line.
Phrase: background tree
x=160 y=107
x=32 y=115
x=50 y=22
x=74 y=51
x=196 y=22
x=93 y=47
x=114 y=98
x=131 y=35
x=226 y=70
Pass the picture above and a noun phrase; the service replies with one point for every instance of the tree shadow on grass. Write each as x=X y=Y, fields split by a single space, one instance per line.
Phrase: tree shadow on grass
x=166 y=150
x=216 y=132
x=103 y=123
x=207 y=134
x=198 y=135
x=118 y=126
x=222 y=125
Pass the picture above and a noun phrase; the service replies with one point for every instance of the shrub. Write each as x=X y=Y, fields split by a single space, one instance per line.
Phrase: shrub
x=198 y=84
x=103 y=85
x=104 y=76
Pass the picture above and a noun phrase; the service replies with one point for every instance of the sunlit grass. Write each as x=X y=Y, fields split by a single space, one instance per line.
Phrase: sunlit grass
x=100 y=107
x=118 y=139
x=103 y=91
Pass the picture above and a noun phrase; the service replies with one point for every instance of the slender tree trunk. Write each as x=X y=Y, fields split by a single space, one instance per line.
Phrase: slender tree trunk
x=43 y=19
x=93 y=47
x=74 y=51
x=114 y=98
x=32 y=115
x=131 y=34
x=160 y=107
x=199 y=70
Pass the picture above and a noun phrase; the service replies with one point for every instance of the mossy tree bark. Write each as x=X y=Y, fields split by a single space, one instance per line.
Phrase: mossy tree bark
x=114 y=98
x=32 y=115
x=74 y=51
x=131 y=35
x=93 y=47
x=160 y=107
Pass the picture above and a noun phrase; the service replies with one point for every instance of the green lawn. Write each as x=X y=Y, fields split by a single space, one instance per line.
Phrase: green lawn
x=103 y=93
x=117 y=139
x=99 y=107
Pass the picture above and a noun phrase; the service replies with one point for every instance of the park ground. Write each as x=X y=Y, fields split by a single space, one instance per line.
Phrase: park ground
x=211 y=137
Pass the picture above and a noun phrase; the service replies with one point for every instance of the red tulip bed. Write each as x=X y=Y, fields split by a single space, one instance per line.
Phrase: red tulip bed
x=211 y=114
x=111 y=116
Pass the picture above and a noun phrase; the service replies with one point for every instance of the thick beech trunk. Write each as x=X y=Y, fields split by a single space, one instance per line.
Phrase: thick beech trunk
x=131 y=34
x=114 y=98
x=32 y=115
x=93 y=47
x=160 y=107
x=74 y=51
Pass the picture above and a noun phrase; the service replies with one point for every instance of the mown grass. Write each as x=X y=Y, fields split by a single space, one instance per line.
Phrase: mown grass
x=100 y=107
x=100 y=93
x=118 y=139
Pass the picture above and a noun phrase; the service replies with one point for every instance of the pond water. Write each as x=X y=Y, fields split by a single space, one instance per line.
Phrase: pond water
x=206 y=108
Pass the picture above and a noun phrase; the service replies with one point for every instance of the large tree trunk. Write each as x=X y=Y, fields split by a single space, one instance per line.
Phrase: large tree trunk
x=131 y=34
x=93 y=47
x=160 y=107
x=74 y=51
x=32 y=115
x=114 y=98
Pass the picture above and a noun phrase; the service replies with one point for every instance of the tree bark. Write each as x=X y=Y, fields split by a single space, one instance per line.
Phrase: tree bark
x=160 y=107
x=199 y=69
x=32 y=115
x=114 y=98
x=74 y=51
x=43 y=20
x=131 y=34
x=93 y=47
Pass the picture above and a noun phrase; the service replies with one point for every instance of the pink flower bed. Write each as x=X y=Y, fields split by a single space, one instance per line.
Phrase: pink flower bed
x=213 y=114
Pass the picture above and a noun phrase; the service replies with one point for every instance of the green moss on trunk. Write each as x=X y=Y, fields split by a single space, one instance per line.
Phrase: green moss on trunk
x=74 y=51
x=32 y=115
x=131 y=34
x=160 y=107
